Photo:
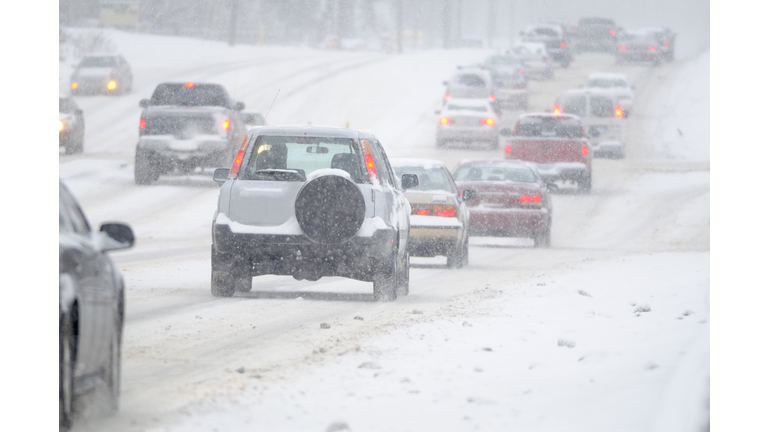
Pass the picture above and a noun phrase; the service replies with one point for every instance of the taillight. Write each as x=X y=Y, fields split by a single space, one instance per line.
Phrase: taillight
x=530 y=198
x=622 y=47
x=522 y=71
x=492 y=97
x=61 y=125
x=584 y=150
x=112 y=85
x=562 y=44
x=190 y=84
x=613 y=32
x=508 y=149
x=557 y=110
x=666 y=43
x=618 y=111
x=445 y=120
x=235 y=170
x=74 y=85
x=370 y=164
x=447 y=95
x=434 y=210
x=225 y=125
x=142 y=123
x=489 y=121
x=651 y=48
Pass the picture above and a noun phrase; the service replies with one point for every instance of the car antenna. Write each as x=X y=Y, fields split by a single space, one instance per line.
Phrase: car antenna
x=270 y=107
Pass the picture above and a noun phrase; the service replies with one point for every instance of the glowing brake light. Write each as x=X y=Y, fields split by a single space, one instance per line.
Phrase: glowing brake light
x=434 y=210
x=445 y=120
x=61 y=125
x=489 y=121
x=618 y=111
x=225 y=125
x=530 y=198
x=522 y=71
x=584 y=150
x=557 y=110
x=112 y=85
x=562 y=44
x=142 y=123
x=492 y=97
x=74 y=85
x=235 y=170
x=666 y=43
x=622 y=47
x=189 y=84
x=508 y=149
x=370 y=164
x=613 y=32
x=447 y=96
x=651 y=48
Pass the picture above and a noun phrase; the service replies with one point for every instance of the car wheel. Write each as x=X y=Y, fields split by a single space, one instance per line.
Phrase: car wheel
x=145 y=171
x=541 y=240
x=585 y=184
x=458 y=255
x=67 y=350
x=405 y=276
x=244 y=284
x=385 y=283
x=113 y=368
x=222 y=284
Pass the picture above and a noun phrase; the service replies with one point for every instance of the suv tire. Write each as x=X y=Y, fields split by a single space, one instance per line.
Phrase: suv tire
x=385 y=283
x=458 y=255
x=403 y=282
x=145 y=170
x=67 y=347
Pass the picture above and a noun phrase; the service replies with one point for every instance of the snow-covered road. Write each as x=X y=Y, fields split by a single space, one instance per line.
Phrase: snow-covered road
x=522 y=339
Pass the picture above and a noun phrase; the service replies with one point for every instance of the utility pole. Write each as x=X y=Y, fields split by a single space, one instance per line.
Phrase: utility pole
x=399 y=26
x=233 y=24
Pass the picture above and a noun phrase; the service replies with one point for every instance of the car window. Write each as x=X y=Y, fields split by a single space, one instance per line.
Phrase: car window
x=98 y=62
x=302 y=154
x=77 y=219
x=601 y=106
x=430 y=178
x=548 y=127
x=471 y=80
x=190 y=94
x=498 y=173
x=573 y=104
x=480 y=108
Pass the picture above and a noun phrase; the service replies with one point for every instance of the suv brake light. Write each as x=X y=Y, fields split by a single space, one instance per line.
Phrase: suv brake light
x=562 y=44
x=235 y=170
x=619 y=112
x=190 y=84
x=557 y=110
x=225 y=125
x=613 y=32
x=508 y=149
x=651 y=48
x=142 y=124
x=370 y=164
x=584 y=150
x=530 y=198
x=488 y=121
x=445 y=121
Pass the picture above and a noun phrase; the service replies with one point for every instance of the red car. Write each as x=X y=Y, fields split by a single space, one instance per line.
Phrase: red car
x=511 y=199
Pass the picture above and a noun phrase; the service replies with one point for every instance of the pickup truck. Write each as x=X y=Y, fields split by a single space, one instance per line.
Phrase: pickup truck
x=556 y=143
x=185 y=126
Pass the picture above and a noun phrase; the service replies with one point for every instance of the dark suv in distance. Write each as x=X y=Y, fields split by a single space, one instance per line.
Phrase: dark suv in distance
x=309 y=202
x=91 y=306
x=185 y=126
x=595 y=34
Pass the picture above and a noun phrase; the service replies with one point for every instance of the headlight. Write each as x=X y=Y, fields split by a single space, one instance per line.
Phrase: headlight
x=112 y=84
x=74 y=85
x=61 y=125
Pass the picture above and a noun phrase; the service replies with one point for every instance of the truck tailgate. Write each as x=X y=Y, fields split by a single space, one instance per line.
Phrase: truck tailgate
x=546 y=150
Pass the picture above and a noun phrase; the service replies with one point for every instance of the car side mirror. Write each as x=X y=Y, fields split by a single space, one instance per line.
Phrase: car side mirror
x=469 y=195
x=220 y=175
x=409 y=181
x=115 y=236
x=505 y=132
x=239 y=106
x=552 y=187
x=144 y=103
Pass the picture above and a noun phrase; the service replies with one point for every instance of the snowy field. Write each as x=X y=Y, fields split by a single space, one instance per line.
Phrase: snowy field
x=607 y=330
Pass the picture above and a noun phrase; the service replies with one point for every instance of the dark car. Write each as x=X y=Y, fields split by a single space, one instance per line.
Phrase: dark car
x=665 y=39
x=91 y=306
x=102 y=73
x=510 y=200
x=310 y=202
x=509 y=76
x=71 y=125
x=595 y=34
x=554 y=38
x=639 y=46
x=185 y=126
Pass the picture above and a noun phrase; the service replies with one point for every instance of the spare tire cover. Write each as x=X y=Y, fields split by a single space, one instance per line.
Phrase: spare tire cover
x=330 y=209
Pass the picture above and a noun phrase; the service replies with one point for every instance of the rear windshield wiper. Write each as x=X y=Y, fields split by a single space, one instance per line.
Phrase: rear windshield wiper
x=279 y=174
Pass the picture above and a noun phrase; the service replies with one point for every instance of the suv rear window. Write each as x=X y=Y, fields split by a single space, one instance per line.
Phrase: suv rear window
x=494 y=173
x=574 y=104
x=97 y=62
x=273 y=156
x=195 y=95
x=470 y=80
x=601 y=106
x=548 y=127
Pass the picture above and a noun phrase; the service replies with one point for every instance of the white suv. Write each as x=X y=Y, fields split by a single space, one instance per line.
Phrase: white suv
x=309 y=202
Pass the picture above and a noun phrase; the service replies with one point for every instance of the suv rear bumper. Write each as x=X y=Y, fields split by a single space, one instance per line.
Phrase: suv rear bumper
x=170 y=152
x=564 y=171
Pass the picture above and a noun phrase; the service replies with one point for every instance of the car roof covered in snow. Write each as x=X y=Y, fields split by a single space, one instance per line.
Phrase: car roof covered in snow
x=310 y=130
x=547 y=114
x=416 y=162
x=507 y=162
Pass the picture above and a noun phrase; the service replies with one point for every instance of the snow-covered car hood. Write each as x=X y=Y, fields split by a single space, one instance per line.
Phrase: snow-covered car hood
x=93 y=72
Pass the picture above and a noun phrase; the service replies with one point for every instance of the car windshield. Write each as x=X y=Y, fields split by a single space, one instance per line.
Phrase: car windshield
x=480 y=108
x=470 y=80
x=430 y=178
x=548 y=127
x=275 y=156
x=573 y=104
x=98 y=62
x=495 y=173
x=601 y=106
x=190 y=95
x=606 y=83
x=64 y=105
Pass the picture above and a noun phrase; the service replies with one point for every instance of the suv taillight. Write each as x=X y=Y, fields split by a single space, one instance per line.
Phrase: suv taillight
x=370 y=164
x=142 y=125
x=619 y=112
x=584 y=150
x=530 y=198
x=235 y=170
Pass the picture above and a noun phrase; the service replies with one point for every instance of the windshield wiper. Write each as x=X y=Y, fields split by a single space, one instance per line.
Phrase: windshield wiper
x=279 y=174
